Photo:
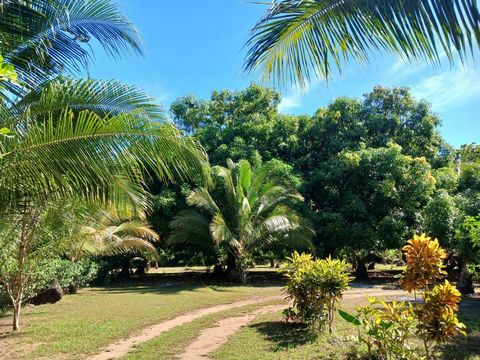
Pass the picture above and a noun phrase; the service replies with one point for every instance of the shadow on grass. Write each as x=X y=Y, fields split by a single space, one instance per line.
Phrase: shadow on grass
x=464 y=347
x=166 y=284
x=284 y=335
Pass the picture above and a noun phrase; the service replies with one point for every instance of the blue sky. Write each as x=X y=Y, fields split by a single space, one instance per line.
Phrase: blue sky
x=196 y=46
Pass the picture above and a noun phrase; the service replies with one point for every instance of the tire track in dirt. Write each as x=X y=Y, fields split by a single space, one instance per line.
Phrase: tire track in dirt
x=120 y=348
x=212 y=338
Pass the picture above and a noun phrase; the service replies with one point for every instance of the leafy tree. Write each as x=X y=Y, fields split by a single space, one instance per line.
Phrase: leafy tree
x=240 y=125
x=384 y=116
x=367 y=200
x=243 y=208
x=299 y=39
x=440 y=218
x=470 y=153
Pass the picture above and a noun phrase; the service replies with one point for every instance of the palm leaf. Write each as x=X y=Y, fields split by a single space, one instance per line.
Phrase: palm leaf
x=300 y=39
x=100 y=96
x=190 y=227
x=85 y=155
x=45 y=37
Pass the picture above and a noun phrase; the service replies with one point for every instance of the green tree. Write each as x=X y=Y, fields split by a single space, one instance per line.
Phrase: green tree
x=440 y=218
x=383 y=116
x=243 y=208
x=240 y=125
x=468 y=247
x=297 y=40
x=367 y=200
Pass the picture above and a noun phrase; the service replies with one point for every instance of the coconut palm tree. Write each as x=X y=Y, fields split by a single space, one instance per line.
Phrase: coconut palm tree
x=297 y=40
x=62 y=138
x=243 y=209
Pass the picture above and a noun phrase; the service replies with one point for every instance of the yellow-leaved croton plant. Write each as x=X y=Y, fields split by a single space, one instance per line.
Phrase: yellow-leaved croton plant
x=424 y=262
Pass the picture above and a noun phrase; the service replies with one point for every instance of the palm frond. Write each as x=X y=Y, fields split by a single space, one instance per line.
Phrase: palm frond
x=190 y=227
x=45 y=37
x=100 y=96
x=202 y=199
x=298 y=40
x=84 y=154
x=221 y=232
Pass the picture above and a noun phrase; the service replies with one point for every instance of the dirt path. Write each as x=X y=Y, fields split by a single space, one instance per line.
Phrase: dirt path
x=120 y=348
x=212 y=338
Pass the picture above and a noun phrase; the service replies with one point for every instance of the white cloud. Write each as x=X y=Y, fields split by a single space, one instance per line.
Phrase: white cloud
x=402 y=69
x=449 y=89
x=294 y=98
x=290 y=102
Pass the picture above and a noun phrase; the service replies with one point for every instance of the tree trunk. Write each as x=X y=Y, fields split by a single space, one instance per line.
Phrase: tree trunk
x=231 y=262
x=465 y=282
x=361 y=272
x=125 y=272
x=17 y=305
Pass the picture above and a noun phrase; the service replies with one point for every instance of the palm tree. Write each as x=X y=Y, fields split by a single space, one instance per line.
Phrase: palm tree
x=300 y=39
x=243 y=209
x=94 y=231
x=94 y=140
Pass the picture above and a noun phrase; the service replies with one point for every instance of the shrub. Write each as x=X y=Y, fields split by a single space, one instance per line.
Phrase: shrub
x=315 y=287
x=434 y=320
x=424 y=263
x=385 y=329
x=69 y=275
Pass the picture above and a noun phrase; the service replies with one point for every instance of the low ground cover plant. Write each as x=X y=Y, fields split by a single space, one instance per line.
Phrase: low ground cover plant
x=314 y=286
x=389 y=328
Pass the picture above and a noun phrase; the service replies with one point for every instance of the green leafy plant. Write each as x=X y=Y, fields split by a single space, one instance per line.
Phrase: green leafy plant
x=243 y=209
x=434 y=320
x=385 y=327
x=315 y=287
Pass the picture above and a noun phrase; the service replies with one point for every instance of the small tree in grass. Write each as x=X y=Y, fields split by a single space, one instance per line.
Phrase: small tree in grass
x=315 y=287
x=434 y=320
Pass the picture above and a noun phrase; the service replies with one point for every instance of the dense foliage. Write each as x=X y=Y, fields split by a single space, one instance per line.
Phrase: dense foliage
x=372 y=171
x=242 y=210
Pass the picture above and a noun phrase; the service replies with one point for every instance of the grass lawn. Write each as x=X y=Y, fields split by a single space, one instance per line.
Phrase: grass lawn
x=81 y=324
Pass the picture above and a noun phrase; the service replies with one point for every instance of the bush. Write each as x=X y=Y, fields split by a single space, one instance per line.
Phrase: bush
x=434 y=320
x=315 y=287
x=69 y=275
x=385 y=329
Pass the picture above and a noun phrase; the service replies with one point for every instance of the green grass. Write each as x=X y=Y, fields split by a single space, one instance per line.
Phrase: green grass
x=81 y=324
x=466 y=347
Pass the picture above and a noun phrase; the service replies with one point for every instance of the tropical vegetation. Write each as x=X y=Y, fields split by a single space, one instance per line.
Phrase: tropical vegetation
x=98 y=185
x=242 y=210
x=297 y=40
